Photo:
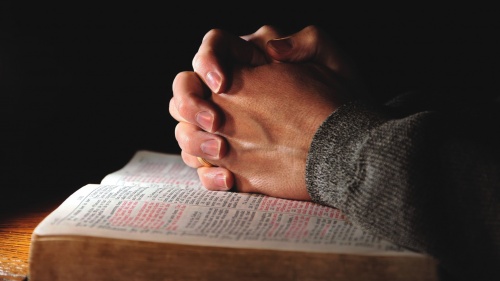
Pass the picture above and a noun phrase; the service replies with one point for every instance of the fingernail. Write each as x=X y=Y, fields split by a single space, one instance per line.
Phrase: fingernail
x=220 y=181
x=213 y=80
x=211 y=148
x=205 y=120
x=282 y=45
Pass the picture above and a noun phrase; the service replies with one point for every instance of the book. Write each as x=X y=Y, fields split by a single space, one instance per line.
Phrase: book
x=153 y=220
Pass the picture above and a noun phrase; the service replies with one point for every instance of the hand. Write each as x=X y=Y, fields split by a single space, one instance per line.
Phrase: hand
x=190 y=104
x=270 y=113
x=218 y=51
x=217 y=54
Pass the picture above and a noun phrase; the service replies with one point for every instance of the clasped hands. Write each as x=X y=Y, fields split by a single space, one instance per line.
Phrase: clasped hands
x=253 y=103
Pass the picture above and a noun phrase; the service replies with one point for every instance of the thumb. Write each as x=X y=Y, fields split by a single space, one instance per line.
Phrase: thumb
x=311 y=44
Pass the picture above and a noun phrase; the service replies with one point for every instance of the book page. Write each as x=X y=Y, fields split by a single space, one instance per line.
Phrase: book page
x=182 y=212
x=153 y=167
x=164 y=213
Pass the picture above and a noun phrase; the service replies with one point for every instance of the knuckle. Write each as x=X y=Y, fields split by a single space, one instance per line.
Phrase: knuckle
x=197 y=62
x=267 y=28
x=181 y=136
x=179 y=78
x=172 y=109
x=314 y=31
x=185 y=107
x=187 y=158
x=213 y=33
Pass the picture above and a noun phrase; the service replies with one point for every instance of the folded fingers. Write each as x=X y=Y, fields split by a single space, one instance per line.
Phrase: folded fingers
x=216 y=178
x=189 y=102
x=260 y=38
x=198 y=143
x=312 y=44
x=218 y=51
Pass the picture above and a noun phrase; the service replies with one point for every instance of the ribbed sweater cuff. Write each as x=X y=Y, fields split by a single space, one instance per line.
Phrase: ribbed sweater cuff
x=331 y=163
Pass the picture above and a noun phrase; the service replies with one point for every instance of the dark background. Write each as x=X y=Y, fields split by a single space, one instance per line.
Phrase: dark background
x=83 y=86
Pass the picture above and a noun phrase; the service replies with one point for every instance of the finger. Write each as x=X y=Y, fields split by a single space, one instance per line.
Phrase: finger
x=172 y=109
x=212 y=178
x=192 y=160
x=198 y=143
x=189 y=102
x=262 y=36
x=312 y=44
x=217 y=52
x=216 y=178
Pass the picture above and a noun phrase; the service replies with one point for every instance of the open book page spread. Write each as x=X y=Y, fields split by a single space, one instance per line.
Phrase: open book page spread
x=157 y=198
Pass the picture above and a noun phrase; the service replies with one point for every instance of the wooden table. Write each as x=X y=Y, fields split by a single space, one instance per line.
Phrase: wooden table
x=16 y=226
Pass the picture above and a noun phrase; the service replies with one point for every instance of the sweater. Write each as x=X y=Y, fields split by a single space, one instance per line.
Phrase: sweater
x=423 y=175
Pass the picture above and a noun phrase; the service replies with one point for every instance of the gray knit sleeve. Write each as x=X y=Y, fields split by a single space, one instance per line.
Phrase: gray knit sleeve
x=404 y=178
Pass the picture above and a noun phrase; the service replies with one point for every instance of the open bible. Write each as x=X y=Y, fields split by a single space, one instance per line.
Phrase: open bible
x=153 y=220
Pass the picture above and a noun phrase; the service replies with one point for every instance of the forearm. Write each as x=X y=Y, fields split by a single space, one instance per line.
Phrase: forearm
x=408 y=180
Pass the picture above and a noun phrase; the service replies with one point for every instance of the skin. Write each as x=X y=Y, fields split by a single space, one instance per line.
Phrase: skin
x=241 y=118
x=263 y=118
